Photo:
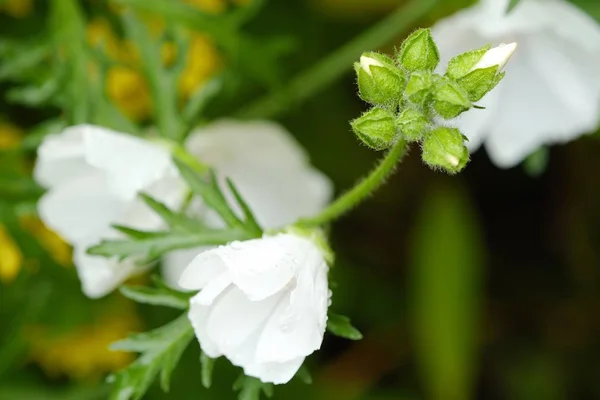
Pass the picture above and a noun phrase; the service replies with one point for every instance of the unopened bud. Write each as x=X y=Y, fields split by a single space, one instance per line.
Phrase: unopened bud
x=418 y=88
x=419 y=52
x=479 y=71
x=445 y=148
x=376 y=128
x=450 y=99
x=496 y=57
x=413 y=124
x=380 y=82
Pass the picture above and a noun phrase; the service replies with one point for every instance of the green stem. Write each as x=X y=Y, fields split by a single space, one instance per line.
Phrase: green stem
x=361 y=191
x=325 y=72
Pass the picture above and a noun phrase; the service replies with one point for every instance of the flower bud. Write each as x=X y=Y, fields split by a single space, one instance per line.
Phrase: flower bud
x=450 y=99
x=445 y=148
x=376 y=128
x=419 y=52
x=478 y=71
x=418 y=88
x=380 y=82
x=413 y=124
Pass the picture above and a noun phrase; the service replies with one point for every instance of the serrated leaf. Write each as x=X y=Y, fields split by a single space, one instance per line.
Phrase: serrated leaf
x=207 y=365
x=249 y=219
x=159 y=296
x=208 y=188
x=175 y=220
x=155 y=244
x=250 y=388
x=160 y=351
x=340 y=325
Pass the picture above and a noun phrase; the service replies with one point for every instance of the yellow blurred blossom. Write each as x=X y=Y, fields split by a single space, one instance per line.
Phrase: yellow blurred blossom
x=17 y=8
x=54 y=244
x=202 y=63
x=11 y=258
x=214 y=6
x=10 y=135
x=83 y=352
x=128 y=90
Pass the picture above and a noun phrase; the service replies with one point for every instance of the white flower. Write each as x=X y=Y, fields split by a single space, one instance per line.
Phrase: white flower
x=551 y=92
x=262 y=303
x=270 y=169
x=93 y=176
x=496 y=56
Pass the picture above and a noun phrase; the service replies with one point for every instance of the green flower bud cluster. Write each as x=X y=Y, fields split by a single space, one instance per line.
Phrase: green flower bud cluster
x=409 y=98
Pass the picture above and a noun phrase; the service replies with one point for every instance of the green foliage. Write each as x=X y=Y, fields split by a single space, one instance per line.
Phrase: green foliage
x=251 y=388
x=160 y=351
x=207 y=364
x=340 y=325
x=536 y=163
x=376 y=128
x=161 y=295
x=446 y=284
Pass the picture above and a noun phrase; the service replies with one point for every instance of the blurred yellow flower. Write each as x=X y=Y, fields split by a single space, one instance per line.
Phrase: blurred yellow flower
x=17 y=8
x=10 y=135
x=11 y=258
x=83 y=352
x=202 y=63
x=54 y=244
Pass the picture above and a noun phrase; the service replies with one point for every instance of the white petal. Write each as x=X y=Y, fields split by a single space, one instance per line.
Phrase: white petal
x=198 y=315
x=61 y=158
x=132 y=163
x=204 y=267
x=263 y=267
x=213 y=289
x=573 y=24
x=297 y=326
x=230 y=145
x=81 y=209
x=233 y=318
x=99 y=275
x=277 y=373
x=175 y=262
x=530 y=114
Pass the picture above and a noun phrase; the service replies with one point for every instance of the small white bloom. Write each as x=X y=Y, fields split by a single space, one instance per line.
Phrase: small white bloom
x=262 y=303
x=498 y=55
x=93 y=176
x=367 y=62
x=551 y=92
x=270 y=169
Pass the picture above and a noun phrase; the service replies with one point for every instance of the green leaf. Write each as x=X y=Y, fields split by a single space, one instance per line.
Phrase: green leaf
x=155 y=244
x=208 y=188
x=511 y=5
x=175 y=220
x=207 y=365
x=68 y=27
x=304 y=375
x=249 y=219
x=201 y=98
x=447 y=285
x=536 y=163
x=162 y=83
x=160 y=351
x=340 y=325
x=158 y=296
x=250 y=388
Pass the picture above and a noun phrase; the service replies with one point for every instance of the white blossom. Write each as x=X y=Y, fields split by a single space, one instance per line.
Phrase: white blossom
x=93 y=176
x=496 y=56
x=270 y=169
x=262 y=303
x=552 y=86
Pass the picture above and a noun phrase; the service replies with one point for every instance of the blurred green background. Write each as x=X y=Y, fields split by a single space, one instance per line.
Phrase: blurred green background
x=480 y=286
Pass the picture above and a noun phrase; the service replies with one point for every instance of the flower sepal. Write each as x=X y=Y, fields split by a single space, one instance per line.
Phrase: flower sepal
x=445 y=148
x=380 y=82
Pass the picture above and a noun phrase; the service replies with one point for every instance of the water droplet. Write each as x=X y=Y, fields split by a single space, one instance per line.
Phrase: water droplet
x=295 y=261
x=285 y=328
